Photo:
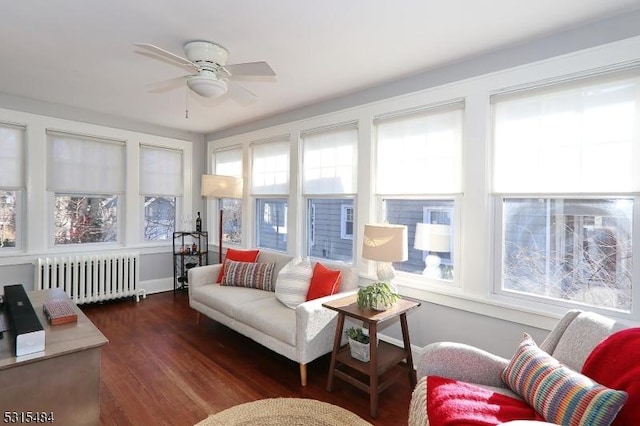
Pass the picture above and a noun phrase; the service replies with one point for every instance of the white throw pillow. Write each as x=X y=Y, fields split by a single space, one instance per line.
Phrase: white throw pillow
x=293 y=282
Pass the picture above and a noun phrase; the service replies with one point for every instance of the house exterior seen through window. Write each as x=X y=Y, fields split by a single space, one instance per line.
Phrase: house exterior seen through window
x=271 y=223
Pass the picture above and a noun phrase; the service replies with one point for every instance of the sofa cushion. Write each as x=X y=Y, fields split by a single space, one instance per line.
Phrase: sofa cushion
x=615 y=363
x=270 y=317
x=451 y=402
x=560 y=394
x=324 y=282
x=238 y=256
x=226 y=300
x=293 y=282
x=248 y=274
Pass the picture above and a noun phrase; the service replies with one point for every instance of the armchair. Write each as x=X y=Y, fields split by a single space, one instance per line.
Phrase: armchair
x=570 y=342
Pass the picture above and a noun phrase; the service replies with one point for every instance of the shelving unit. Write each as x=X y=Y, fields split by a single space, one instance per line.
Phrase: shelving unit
x=190 y=249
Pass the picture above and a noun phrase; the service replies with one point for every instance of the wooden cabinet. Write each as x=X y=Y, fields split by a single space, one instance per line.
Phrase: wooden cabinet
x=190 y=249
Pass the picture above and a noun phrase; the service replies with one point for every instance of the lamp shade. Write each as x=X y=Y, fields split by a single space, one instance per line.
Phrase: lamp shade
x=221 y=186
x=433 y=237
x=385 y=243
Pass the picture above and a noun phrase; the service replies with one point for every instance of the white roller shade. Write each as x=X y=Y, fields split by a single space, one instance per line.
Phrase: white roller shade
x=228 y=162
x=577 y=137
x=11 y=157
x=85 y=164
x=270 y=168
x=420 y=153
x=160 y=171
x=329 y=161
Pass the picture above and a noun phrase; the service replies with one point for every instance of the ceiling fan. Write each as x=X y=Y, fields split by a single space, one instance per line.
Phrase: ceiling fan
x=211 y=75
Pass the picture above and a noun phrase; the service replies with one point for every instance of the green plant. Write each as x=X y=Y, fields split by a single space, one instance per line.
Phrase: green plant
x=356 y=333
x=378 y=294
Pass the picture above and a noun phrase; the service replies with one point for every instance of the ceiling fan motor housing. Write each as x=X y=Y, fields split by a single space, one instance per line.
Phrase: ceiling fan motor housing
x=205 y=51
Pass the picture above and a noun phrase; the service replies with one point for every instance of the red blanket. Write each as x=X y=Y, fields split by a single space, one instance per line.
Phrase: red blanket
x=450 y=402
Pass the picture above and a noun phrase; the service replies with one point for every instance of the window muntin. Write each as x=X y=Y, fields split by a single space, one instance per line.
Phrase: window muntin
x=228 y=162
x=85 y=219
x=12 y=183
x=575 y=250
x=410 y=212
x=564 y=177
x=161 y=185
x=329 y=160
x=87 y=178
x=271 y=223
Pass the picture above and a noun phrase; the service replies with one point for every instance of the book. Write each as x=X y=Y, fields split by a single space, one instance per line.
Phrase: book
x=59 y=311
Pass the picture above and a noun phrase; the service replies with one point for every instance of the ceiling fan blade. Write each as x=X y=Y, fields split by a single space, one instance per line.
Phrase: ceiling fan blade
x=166 y=85
x=241 y=94
x=258 y=69
x=166 y=54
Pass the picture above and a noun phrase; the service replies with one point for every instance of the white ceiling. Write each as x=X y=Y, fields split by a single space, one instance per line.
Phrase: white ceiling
x=79 y=53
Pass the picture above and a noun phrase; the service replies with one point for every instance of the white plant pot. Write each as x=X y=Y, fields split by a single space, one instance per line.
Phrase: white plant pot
x=381 y=306
x=359 y=351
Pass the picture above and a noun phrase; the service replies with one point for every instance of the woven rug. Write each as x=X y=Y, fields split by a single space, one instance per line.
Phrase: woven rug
x=284 y=411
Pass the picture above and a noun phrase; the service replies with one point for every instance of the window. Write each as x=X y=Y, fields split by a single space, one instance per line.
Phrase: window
x=228 y=162
x=12 y=183
x=86 y=176
x=161 y=185
x=564 y=181
x=419 y=190
x=346 y=222
x=270 y=188
x=329 y=187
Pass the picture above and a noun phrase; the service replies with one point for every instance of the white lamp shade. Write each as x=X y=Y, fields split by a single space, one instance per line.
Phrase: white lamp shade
x=385 y=243
x=433 y=237
x=207 y=87
x=221 y=186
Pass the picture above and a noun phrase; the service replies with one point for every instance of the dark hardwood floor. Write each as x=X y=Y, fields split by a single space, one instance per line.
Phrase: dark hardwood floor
x=160 y=367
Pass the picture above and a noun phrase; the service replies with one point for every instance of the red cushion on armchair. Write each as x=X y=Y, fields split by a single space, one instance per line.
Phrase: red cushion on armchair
x=615 y=363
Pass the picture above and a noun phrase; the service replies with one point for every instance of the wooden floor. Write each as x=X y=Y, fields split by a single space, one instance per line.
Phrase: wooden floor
x=160 y=367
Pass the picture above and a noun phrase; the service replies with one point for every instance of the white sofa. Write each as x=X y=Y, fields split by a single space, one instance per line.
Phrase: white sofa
x=301 y=334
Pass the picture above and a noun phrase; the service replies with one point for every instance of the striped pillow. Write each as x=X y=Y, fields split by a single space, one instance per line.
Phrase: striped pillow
x=249 y=274
x=293 y=282
x=560 y=394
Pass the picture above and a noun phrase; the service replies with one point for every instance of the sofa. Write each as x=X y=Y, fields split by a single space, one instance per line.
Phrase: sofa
x=301 y=333
x=586 y=355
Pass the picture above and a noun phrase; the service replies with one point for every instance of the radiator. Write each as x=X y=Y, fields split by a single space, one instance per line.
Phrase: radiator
x=91 y=278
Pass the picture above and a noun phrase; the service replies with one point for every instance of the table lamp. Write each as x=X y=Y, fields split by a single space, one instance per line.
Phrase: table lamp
x=385 y=244
x=434 y=238
x=220 y=186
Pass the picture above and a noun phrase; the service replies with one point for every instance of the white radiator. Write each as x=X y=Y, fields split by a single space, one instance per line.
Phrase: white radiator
x=91 y=278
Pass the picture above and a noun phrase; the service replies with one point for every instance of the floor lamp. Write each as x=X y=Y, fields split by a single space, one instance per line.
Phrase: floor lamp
x=219 y=186
x=385 y=244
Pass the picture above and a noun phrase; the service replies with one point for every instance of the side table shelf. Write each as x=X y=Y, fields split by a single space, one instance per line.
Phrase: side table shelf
x=190 y=249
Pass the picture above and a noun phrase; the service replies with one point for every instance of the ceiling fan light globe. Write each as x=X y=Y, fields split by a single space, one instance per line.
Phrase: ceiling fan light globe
x=207 y=87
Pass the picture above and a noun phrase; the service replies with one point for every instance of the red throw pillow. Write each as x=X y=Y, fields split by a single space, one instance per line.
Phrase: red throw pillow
x=324 y=282
x=238 y=256
x=614 y=363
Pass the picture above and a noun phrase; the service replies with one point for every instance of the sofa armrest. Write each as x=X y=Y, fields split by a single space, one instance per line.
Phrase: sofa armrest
x=316 y=327
x=461 y=362
x=201 y=275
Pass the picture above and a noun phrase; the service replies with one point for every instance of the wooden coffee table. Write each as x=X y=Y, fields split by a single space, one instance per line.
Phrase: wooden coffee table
x=383 y=357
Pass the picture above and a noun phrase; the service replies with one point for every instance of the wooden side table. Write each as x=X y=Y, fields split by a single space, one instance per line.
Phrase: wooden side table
x=383 y=357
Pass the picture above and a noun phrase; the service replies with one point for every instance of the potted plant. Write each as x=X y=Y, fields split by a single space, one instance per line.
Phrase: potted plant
x=358 y=343
x=379 y=296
